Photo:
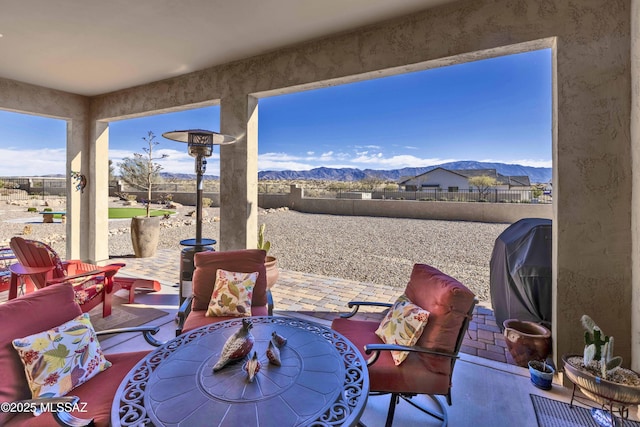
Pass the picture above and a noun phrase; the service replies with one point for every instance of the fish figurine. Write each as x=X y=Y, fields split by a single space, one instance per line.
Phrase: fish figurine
x=277 y=339
x=237 y=346
x=252 y=366
x=273 y=354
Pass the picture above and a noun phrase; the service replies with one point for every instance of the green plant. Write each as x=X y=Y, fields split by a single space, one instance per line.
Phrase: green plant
x=142 y=171
x=32 y=209
x=536 y=192
x=263 y=244
x=599 y=347
x=47 y=210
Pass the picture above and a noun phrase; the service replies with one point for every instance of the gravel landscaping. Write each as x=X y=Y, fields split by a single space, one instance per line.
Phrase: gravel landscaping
x=366 y=249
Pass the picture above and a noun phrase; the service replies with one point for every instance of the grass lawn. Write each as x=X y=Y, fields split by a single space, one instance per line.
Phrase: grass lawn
x=118 y=213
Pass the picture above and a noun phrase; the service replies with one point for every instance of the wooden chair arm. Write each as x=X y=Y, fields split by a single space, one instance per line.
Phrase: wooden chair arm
x=22 y=270
x=355 y=305
x=147 y=333
x=183 y=312
x=95 y=273
x=377 y=348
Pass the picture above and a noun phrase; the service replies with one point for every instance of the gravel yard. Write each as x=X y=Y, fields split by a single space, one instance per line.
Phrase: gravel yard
x=366 y=249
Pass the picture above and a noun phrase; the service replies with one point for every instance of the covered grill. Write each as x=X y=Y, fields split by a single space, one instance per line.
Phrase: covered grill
x=520 y=272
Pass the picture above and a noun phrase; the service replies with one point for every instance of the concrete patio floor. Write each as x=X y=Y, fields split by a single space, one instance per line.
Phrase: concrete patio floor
x=486 y=391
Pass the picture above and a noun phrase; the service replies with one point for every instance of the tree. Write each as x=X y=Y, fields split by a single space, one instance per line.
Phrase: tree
x=112 y=170
x=484 y=184
x=370 y=183
x=142 y=171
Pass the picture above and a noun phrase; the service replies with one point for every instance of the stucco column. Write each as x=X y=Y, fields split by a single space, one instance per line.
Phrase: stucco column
x=98 y=175
x=239 y=173
x=77 y=202
x=635 y=195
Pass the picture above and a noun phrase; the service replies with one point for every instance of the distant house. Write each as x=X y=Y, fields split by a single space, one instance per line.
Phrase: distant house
x=457 y=180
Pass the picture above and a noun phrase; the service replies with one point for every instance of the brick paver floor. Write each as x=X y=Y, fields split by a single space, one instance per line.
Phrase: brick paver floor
x=326 y=297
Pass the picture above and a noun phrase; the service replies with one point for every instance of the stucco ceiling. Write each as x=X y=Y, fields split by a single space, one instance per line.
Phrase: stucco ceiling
x=92 y=47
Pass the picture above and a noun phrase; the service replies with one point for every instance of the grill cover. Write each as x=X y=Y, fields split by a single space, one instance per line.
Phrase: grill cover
x=520 y=272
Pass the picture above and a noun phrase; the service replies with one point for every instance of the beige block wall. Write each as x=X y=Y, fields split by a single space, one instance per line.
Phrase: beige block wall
x=592 y=148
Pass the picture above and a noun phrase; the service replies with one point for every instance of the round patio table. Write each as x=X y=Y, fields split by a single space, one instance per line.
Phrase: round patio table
x=322 y=381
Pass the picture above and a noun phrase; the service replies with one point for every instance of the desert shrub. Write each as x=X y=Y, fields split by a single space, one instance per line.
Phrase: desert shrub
x=47 y=210
x=32 y=209
x=206 y=202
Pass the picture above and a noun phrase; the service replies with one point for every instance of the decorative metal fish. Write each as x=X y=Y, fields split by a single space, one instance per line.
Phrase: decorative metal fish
x=237 y=346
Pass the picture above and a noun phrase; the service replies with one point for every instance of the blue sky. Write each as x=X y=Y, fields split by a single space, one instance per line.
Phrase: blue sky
x=496 y=110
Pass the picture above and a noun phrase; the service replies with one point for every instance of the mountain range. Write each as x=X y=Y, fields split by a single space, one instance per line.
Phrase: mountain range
x=536 y=175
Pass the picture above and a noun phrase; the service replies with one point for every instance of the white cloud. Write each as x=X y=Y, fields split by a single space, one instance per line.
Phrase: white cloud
x=523 y=162
x=378 y=161
x=43 y=161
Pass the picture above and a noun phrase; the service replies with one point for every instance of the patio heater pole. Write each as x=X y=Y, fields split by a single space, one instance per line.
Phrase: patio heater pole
x=201 y=167
x=201 y=144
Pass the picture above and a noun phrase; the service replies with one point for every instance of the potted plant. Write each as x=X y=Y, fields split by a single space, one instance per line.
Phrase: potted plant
x=541 y=374
x=142 y=171
x=270 y=262
x=598 y=374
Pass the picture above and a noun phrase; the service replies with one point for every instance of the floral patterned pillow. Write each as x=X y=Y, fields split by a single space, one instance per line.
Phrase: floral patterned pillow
x=60 y=359
x=232 y=294
x=402 y=325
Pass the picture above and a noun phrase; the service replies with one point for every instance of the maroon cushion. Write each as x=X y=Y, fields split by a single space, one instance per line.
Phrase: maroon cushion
x=98 y=393
x=197 y=318
x=447 y=300
x=384 y=375
x=242 y=261
x=32 y=313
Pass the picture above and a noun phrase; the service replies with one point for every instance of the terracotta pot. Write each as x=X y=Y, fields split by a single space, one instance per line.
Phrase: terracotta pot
x=272 y=271
x=145 y=234
x=527 y=341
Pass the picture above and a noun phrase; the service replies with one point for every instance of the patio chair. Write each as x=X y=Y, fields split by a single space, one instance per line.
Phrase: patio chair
x=31 y=253
x=429 y=363
x=55 y=305
x=192 y=312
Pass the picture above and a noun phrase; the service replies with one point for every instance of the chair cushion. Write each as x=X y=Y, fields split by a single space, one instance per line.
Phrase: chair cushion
x=384 y=375
x=98 y=394
x=232 y=294
x=198 y=318
x=448 y=302
x=402 y=325
x=54 y=306
x=245 y=261
x=60 y=359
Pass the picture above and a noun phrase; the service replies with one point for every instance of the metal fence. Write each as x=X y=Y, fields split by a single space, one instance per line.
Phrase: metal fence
x=25 y=188
x=429 y=195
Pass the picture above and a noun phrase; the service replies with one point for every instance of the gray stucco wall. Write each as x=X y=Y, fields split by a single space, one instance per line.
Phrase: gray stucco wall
x=592 y=149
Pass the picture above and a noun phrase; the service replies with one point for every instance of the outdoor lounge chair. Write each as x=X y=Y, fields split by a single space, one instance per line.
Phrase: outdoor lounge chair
x=55 y=305
x=428 y=367
x=192 y=311
x=94 y=283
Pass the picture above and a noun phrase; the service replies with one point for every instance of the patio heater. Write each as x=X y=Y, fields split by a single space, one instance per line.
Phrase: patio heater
x=200 y=144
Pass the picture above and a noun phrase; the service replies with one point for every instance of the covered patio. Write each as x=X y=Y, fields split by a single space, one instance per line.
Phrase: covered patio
x=148 y=57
